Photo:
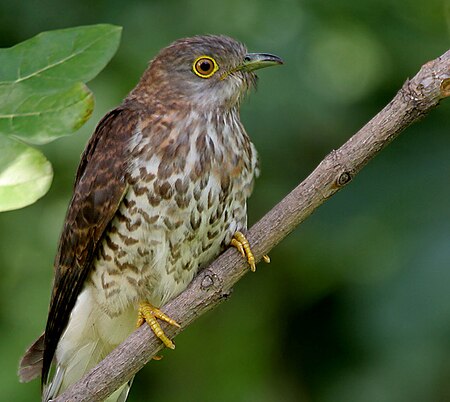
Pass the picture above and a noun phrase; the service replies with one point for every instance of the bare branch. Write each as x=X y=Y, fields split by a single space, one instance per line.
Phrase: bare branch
x=414 y=100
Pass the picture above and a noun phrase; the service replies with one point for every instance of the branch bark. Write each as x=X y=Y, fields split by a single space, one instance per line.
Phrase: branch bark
x=213 y=284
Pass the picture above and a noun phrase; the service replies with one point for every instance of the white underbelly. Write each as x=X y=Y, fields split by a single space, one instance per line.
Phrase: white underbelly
x=89 y=337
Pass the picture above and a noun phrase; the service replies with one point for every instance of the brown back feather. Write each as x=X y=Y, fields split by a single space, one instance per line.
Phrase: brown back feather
x=98 y=190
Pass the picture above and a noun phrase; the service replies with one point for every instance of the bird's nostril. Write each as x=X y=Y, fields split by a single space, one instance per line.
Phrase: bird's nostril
x=247 y=58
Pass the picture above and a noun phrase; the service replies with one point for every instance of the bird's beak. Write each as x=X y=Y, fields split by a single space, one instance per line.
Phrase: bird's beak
x=255 y=61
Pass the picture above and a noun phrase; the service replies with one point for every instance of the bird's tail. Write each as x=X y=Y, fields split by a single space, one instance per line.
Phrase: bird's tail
x=30 y=366
x=75 y=364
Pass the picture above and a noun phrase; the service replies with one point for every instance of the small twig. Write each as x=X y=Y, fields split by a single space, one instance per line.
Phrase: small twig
x=416 y=98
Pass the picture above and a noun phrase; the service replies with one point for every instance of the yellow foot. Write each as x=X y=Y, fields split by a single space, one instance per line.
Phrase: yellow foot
x=241 y=243
x=148 y=313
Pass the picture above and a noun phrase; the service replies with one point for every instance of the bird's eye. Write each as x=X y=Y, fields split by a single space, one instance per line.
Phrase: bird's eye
x=205 y=66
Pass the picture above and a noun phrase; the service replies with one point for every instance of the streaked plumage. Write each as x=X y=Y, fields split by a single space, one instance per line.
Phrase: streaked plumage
x=159 y=193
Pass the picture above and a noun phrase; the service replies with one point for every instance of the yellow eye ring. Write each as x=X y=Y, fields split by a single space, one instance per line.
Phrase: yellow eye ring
x=204 y=66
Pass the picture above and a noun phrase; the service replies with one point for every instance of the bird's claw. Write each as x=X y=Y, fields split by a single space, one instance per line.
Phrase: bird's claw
x=148 y=313
x=241 y=243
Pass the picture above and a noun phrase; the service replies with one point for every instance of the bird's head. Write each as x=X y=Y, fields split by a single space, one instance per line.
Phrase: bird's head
x=206 y=71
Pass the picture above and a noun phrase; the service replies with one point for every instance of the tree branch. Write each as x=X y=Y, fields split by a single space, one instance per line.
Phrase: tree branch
x=213 y=284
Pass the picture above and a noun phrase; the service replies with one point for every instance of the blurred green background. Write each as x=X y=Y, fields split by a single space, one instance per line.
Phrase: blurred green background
x=356 y=303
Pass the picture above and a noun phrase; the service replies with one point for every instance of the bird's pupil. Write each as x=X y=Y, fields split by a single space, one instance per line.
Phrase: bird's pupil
x=205 y=66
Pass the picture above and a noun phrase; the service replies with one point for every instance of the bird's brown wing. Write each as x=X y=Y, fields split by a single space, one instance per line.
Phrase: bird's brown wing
x=99 y=187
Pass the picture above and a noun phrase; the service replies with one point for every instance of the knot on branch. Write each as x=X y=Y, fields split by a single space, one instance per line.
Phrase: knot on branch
x=413 y=96
x=207 y=282
x=445 y=88
x=210 y=281
x=343 y=179
x=343 y=173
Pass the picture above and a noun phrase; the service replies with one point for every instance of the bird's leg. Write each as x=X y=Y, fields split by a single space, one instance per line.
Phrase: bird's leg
x=148 y=313
x=241 y=243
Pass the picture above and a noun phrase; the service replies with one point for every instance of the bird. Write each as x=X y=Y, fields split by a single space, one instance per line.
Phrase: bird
x=161 y=190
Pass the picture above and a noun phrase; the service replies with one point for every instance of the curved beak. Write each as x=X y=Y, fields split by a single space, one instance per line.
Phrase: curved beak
x=255 y=61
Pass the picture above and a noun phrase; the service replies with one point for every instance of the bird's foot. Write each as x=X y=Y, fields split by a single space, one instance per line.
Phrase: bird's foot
x=148 y=313
x=241 y=243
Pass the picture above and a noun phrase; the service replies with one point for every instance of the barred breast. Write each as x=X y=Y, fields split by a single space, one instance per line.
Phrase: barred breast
x=186 y=197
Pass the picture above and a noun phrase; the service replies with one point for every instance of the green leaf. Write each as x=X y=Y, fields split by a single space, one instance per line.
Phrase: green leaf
x=25 y=174
x=59 y=58
x=43 y=97
x=41 y=91
x=40 y=118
